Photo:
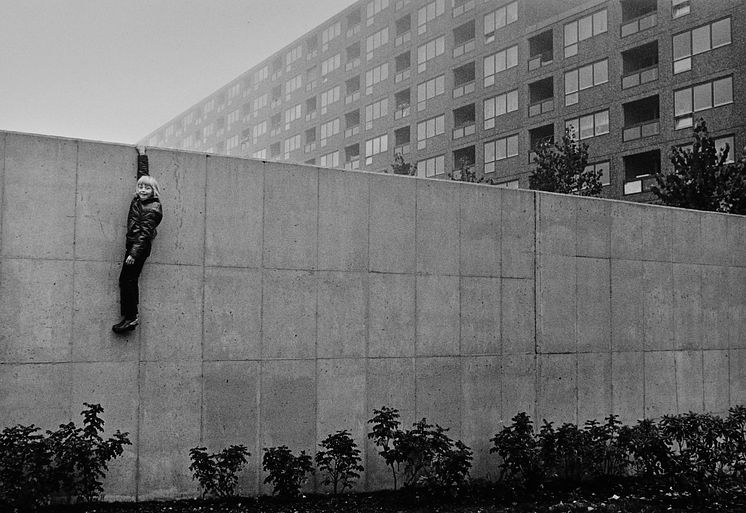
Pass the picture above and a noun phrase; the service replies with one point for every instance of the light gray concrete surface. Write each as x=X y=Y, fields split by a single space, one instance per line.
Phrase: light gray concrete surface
x=282 y=303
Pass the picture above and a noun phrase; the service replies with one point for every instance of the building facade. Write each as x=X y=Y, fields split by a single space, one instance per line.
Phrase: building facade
x=454 y=83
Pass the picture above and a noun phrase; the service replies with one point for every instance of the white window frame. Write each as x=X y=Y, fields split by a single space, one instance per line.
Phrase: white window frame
x=605 y=167
x=330 y=97
x=431 y=166
x=331 y=64
x=599 y=73
x=375 y=146
x=683 y=62
x=376 y=75
x=597 y=126
x=375 y=111
x=330 y=159
x=328 y=129
x=497 y=106
x=375 y=41
x=509 y=147
x=684 y=118
x=428 y=13
x=573 y=31
x=499 y=18
x=498 y=62
x=430 y=89
x=429 y=51
x=428 y=129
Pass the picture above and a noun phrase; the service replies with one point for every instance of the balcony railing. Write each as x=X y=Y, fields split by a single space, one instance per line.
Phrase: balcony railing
x=464 y=48
x=312 y=54
x=537 y=61
x=402 y=112
x=464 y=130
x=352 y=97
x=353 y=130
x=310 y=115
x=541 y=107
x=403 y=75
x=641 y=184
x=644 y=129
x=639 y=77
x=352 y=64
x=309 y=147
x=353 y=31
x=353 y=164
x=402 y=149
x=461 y=9
x=403 y=38
x=461 y=90
x=644 y=22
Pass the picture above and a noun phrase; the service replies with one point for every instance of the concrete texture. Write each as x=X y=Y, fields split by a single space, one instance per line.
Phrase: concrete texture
x=282 y=303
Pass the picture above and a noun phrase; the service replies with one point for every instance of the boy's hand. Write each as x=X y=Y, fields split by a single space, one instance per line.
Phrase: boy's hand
x=129 y=260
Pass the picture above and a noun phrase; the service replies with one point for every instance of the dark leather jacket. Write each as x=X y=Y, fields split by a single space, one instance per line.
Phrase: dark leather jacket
x=142 y=220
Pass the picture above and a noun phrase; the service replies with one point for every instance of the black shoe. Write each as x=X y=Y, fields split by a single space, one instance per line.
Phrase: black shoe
x=125 y=325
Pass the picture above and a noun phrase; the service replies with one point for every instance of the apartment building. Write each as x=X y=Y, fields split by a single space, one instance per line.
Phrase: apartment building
x=452 y=83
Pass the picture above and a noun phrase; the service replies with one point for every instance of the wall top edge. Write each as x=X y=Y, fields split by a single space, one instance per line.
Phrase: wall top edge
x=371 y=173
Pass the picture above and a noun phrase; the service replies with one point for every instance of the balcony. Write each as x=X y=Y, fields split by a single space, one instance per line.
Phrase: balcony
x=352 y=64
x=642 y=183
x=352 y=97
x=640 y=130
x=402 y=112
x=462 y=90
x=464 y=39
x=403 y=75
x=353 y=164
x=310 y=116
x=402 y=150
x=464 y=80
x=640 y=170
x=312 y=54
x=537 y=61
x=353 y=31
x=463 y=7
x=540 y=50
x=352 y=131
x=542 y=107
x=640 y=77
x=403 y=38
x=464 y=131
x=464 y=121
x=309 y=147
x=639 y=24
x=464 y=48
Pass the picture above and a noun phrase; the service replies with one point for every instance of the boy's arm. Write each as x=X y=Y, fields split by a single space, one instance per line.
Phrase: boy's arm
x=142 y=163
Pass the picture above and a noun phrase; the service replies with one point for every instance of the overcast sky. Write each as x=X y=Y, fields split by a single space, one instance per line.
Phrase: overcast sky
x=115 y=70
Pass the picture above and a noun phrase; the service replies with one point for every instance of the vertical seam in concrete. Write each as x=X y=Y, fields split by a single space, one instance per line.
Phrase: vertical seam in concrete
x=72 y=278
x=260 y=370
x=414 y=356
x=202 y=310
x=3 y=165
x=366 y=314
x=316 y=276
x=139 y=400
x=537 y=281
x=675 y=351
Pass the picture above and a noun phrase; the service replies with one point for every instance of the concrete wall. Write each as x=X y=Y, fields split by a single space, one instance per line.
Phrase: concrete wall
x=284 y=302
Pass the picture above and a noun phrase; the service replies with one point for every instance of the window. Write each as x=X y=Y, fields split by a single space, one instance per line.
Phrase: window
x=402 y=63
x=259 y=130
x=431 y=167
x=328 y=130
x=292 y=114
x=260 y=154
x=352 y=123
x=352 y=156
x=603 y=168
x=374 y=8
x=463 y=39
x=330 y=159
x=499 y=149
x=375 y=146
x=310 y=135
x=291 y=145
x=376 y=41
x=234 y=90
x=497 y=62
x=541 y=97
x=353 y=23
x=428 y=13
x=582 y=29
x=330 y=33
x=209 y=106
x=261 y=75
x=700 y=97
x=311 y=108
x=353 y=56
x=640 y=65
x=231 y=144
x=292 y=85
x=329 y=97
x=293 y=55
x=276 y=96
x=403 y=30
x=591 y=125
x=640 y=170
x=540 y=50
x=462 y=6
x=680 y=8
x=584 y=78
x=641 y=118
x=312 y=74
x=428 y=129
x=376 y=75
x=499 y=105
x=430 y=89
x=374 y=111
x=401 y=100
x=401 y=140
x=463 y=80
x=699 y=40
x=259 y=102
x=352 y=89
x=208 y=130
x=464 y=121
x=276 y=70
x=497 y=19
x=275 y=124
x=233 y=117
x=331 y=64
x=429 y=51
x=312 y=46
x=510 y=184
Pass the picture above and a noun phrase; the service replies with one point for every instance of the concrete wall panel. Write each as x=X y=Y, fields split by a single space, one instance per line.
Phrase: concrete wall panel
x=342 y=324
x=658 y=305
x=437 y=304
x=182 y=179
x=438 y=393
x=233 y=314
x=171 y=312
x=660 y=383
x=518 y=386
x=657 y=234
x=343 y=220
x=558 y=388
x=480 y=315
x=234 y=212
x=689 y=381
x=39 y=171
x=518 y=234
x=594 y=386
x=289 y=314
x=557 y=226
x=481 y=410
x=593 y=228
x=714 y=230
x=230 y=413
x=687 y=237
x=736 y=241
x=737 y=359
x=35 y=393
x=95 y=310
x=715 y=305
x=36 y=323
x=594 y=305
x=392 y=314
x=626 y=230
x=3 y=136
x=107 y=178
x=170 y=399
x=480 y=225
x=437 y=232
x=628 y=386
x=392 y=221
x=557 y=303
x=291 y=217
x=626 y=305
x=518 y=316
x=716 y=373
x=737 y=298
x=687 y=306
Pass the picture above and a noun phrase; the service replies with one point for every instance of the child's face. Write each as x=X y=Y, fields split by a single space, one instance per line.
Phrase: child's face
x=144 y=191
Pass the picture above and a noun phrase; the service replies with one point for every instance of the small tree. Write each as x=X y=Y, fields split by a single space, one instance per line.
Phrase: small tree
x=562 y=168
x=217 y=473
x=701 y=179
x=340 y=460
x=286 y=472
x=401 y=167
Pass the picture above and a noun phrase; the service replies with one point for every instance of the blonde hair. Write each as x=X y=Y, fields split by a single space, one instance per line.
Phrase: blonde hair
x=152 y=182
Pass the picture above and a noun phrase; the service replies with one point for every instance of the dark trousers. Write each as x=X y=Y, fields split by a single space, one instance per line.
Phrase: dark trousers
x=129 y=292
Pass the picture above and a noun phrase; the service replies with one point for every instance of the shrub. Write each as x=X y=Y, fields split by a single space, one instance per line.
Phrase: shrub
x=25 y=460
x=340 y=460
x=217 y=472
x=287 y=472
x=520 y=452
x=385 y=429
